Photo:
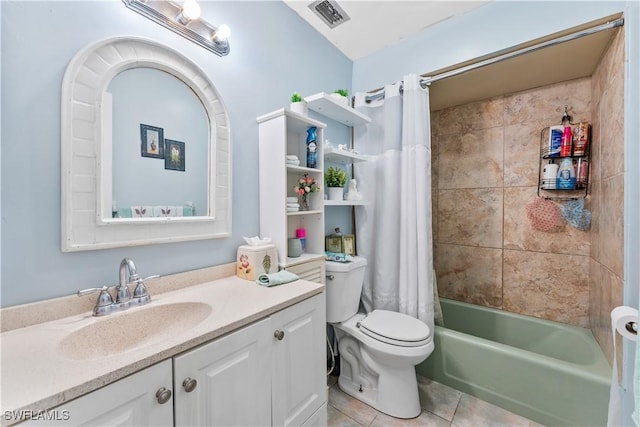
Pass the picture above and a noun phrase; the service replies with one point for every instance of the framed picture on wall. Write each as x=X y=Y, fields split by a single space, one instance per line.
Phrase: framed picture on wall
x=349 y=244
x=174 y=155
x=151 y=141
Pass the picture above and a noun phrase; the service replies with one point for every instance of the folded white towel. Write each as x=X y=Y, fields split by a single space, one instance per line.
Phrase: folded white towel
x=293 y=205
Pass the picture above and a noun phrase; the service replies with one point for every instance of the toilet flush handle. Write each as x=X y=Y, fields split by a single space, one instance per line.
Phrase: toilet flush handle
x=330 y=277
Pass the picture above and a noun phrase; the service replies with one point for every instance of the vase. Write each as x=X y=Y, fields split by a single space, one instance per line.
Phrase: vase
x=304 y=202
x=310 y=202
x=335 y=193
x=300 y=107
x=341 y=99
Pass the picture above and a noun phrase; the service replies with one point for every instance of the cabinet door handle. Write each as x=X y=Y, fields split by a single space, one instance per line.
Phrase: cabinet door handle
x=278 y=334
x=163 y=395
x=189 y=384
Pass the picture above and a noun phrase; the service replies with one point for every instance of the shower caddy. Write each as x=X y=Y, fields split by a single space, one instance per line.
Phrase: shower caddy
x=582 y=186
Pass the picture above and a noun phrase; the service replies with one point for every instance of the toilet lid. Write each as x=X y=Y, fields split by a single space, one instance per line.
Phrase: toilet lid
x=395 y=328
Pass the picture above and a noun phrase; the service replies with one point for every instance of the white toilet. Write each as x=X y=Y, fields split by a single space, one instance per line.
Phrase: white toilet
x=378 y=350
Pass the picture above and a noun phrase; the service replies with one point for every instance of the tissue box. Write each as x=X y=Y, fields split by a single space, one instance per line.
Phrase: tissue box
x=253 y=261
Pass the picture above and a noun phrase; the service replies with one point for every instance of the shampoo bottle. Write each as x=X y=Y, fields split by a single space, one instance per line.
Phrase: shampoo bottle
x=555 y=141
x=567 y=141
x=566 y=176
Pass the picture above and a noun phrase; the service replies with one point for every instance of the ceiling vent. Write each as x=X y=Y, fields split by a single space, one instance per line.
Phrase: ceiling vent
x=330 y=12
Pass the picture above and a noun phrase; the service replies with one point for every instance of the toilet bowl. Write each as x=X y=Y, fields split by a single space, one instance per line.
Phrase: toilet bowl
x=378 y=350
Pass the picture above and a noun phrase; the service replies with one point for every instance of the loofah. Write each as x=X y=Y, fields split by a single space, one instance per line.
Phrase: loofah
x=576 y=215
x=545 y=215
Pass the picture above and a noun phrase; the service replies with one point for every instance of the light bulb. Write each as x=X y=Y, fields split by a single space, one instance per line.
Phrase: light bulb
x=223 y=32
x=190 y=10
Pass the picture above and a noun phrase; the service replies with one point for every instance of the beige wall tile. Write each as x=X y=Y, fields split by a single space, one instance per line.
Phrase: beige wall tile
x=470 y=274
x=469 y=117
x=611 y=224
x=548 y=103
x=549 y=286
x=612 y=128
x=521 y=153
x=471 y=160
x=471 y=217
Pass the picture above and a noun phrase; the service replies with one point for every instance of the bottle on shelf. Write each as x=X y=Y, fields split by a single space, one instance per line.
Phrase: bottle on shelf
x=567 y=141
x=581 y=140
x=566 y=179
x=582 y=173
x=301 y=234
x=555 y=141
x=312 y=148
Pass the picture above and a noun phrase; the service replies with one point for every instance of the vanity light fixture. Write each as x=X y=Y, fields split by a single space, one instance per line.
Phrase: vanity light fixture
x=184 y=18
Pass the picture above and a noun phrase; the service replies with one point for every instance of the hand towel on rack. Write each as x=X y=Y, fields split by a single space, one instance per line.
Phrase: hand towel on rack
x=279 y=278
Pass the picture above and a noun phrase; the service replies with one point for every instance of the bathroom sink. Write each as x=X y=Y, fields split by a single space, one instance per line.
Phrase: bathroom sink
x=129 y=330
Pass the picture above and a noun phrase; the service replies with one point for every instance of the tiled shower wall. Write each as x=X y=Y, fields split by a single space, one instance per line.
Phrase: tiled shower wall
x=486 y=163
x=607 y=192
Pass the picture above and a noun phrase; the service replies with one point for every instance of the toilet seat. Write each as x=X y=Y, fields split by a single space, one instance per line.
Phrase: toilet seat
x=395 y=328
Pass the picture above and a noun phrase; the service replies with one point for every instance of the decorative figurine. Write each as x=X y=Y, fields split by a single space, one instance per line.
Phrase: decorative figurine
x=352 y=193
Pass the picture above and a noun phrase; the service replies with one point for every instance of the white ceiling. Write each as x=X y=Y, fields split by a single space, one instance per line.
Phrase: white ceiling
x=376 y=24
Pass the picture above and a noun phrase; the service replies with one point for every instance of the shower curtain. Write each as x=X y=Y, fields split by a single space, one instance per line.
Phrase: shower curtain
x=394 y=229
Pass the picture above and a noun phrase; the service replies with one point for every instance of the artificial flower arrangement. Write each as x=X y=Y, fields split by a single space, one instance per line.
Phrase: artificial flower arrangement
x=307 y=184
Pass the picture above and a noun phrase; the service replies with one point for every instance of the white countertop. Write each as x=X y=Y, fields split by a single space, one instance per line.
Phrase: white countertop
x=36 y=375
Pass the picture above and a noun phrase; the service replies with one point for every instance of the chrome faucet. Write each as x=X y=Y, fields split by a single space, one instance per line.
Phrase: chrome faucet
x=123 y=295
x=105 y=304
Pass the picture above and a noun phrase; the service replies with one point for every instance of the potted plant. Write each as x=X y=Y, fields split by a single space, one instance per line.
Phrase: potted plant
x=335 y=178
x=298 y=104
x=341 y=95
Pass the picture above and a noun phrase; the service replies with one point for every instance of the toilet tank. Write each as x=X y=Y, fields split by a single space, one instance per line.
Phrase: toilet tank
x=343 y=288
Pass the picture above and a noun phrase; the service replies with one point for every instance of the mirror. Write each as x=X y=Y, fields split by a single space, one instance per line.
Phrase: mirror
x=145 y=180
x=96 y=171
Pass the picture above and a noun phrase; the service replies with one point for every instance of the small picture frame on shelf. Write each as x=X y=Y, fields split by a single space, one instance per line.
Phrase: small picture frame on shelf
x=333 y=244
x=349 y=244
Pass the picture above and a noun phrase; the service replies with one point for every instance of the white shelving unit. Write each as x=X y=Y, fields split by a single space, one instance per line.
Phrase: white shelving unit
x=345 y=202
x=326 y=105
x=281 y=133
x=343 y=157
x=284 y=132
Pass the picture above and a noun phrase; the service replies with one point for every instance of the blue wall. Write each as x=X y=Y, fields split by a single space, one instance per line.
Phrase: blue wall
x=273 y=53
x=490 y=28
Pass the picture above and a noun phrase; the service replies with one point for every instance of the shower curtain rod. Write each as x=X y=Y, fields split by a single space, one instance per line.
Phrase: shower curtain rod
x=427 y=80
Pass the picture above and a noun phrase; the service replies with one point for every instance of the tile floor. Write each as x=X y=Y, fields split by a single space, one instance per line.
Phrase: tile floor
x=442 y=406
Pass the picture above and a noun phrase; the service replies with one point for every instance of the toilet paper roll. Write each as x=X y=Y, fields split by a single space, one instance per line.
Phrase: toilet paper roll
x=622 y=319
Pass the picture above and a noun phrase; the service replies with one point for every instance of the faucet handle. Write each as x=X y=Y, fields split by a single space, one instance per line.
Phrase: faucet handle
x=140 y=294
x=104 y=304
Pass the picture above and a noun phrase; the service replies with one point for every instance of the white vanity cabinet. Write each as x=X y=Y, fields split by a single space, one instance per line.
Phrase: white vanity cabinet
x=226 y=382
x=271 y=372
x=299 y=382
x=131 y=401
